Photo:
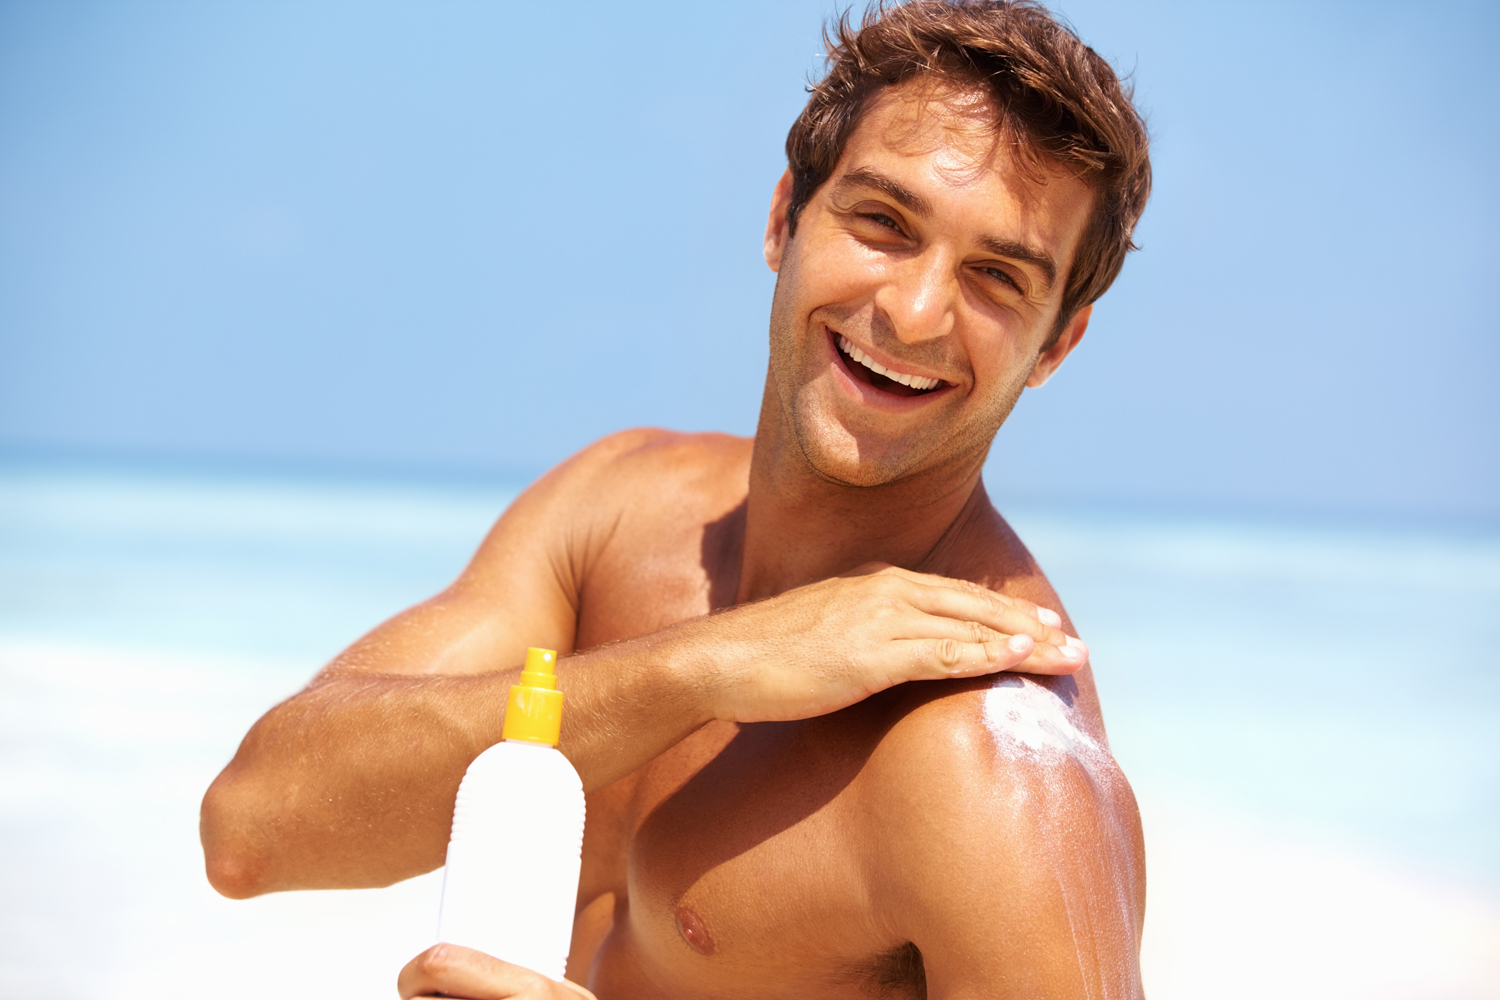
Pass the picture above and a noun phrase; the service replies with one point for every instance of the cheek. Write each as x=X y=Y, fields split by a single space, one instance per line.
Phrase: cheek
x=835 y=274
x=999 y=366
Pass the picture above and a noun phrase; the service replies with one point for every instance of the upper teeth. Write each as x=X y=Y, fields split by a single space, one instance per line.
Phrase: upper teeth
x=915 y=381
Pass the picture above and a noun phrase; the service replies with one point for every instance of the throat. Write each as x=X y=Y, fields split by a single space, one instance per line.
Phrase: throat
x=799 y=527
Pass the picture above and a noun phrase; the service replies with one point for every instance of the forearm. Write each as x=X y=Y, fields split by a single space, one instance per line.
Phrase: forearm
x=629 y=702
x=351 y=783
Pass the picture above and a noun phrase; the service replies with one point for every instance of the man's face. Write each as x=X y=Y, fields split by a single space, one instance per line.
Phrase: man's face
x=935 y=254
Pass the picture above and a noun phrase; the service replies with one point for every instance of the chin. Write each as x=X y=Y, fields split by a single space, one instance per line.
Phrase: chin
x=842 y=457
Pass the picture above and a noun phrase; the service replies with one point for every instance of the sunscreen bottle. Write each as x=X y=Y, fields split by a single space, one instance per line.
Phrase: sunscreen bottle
x=511 y=882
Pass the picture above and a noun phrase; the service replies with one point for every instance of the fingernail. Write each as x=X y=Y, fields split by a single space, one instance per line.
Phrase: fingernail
x=1070 y=652
x=1078 y=644
x=1020 y=643
x=1048 y=617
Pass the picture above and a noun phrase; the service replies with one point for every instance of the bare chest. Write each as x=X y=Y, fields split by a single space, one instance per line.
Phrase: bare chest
x=731 y=865
x=737 y=868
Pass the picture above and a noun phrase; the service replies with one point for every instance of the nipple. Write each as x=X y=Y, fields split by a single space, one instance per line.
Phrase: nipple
x=690 y=926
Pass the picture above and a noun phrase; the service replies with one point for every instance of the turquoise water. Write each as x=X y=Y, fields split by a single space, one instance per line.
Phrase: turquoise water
x=1339 y=684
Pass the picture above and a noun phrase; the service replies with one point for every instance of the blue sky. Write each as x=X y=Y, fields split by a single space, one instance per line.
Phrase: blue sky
x=474 y=237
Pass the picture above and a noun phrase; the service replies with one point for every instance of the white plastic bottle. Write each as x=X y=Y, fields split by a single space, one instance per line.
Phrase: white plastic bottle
x=513 y=858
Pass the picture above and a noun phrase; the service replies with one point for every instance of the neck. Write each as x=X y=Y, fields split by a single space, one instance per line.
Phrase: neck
x=800 y=526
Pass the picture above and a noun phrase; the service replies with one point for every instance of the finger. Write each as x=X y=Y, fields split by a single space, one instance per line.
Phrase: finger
x=1068 y=656
x=985 y=607
x=451 y=970
x=573 y=987
x=1042 y=614
x=1049 y=659
x=936 y=659
x=577 y=990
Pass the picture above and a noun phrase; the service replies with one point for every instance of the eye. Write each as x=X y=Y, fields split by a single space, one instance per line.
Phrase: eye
x=1003 y=276
x=881 y=219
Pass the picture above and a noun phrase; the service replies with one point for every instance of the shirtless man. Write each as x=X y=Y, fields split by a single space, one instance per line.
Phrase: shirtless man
x=836 y=738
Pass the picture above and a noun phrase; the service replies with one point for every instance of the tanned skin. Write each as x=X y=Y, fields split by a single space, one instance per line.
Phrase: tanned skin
x=782 y=648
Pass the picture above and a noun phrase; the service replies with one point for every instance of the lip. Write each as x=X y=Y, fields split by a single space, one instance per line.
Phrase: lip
x=869 y=395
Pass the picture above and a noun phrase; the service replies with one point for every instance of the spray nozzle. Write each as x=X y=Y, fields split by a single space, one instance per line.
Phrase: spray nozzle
x=533 y=712
x=541 y=669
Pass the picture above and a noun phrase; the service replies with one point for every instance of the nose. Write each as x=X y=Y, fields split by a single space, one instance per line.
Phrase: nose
x=918 y=298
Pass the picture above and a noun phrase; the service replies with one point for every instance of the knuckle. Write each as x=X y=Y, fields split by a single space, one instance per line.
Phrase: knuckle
x=949 y=652
x=988 y=598
x=436 y=960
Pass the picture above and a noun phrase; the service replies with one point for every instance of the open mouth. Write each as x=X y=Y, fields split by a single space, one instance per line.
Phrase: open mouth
x=873 y=373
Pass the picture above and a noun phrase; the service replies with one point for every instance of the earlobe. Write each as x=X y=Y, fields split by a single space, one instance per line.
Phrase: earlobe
x=776 y=223
x=1050 y=360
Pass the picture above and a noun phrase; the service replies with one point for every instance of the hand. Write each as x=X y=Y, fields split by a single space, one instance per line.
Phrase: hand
x=827 y=645
x=450 y=970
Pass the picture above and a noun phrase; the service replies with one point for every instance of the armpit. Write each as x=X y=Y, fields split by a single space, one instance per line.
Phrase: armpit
x=897 y=974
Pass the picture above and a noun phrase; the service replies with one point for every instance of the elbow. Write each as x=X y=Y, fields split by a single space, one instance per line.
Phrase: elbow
x=234 y=874
x=231 y=860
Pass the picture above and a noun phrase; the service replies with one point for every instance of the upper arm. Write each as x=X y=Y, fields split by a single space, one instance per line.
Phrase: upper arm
x=1013 y=860
x=521 y=587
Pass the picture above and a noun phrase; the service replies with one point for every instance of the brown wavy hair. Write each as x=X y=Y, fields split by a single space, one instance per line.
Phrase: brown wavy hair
x=1057 y=99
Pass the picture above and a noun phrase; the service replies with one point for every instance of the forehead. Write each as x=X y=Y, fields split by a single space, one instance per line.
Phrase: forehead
x=943 y=142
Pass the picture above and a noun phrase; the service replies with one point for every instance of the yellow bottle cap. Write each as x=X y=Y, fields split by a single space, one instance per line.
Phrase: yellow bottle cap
x=534 y=709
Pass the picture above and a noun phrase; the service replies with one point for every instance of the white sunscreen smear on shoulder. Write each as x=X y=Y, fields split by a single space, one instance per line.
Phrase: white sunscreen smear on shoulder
x=1023 y=715
x=1072 y=792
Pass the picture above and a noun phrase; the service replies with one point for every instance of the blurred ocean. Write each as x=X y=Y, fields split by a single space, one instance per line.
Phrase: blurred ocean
x=1310 y=716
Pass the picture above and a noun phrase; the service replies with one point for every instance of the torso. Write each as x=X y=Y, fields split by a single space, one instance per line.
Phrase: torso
x=735 y=863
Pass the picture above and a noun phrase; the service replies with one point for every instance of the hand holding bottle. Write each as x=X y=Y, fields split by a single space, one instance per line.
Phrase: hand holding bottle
x=449 y=970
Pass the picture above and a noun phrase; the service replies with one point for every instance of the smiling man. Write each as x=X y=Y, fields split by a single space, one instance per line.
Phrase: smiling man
x=837 y=737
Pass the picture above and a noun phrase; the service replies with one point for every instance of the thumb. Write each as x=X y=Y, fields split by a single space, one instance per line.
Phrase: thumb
x=451 y=970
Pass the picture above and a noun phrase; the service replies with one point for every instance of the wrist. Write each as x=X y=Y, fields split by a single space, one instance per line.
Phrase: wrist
x=685 y=673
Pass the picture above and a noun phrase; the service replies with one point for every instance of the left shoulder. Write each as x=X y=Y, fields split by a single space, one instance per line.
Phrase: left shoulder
x=998 y=748
x=981 y=547
x=1008 y=844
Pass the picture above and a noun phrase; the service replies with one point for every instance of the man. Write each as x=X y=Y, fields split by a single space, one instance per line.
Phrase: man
x=808 y=772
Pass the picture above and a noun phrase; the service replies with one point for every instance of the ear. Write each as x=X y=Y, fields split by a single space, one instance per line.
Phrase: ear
x=1051 y=359
x=777 y=231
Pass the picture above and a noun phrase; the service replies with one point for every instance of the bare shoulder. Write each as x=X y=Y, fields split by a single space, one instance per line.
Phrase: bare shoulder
x=603 y=504
x=577 y=505
x=656 y=462
x=643 y=456
x=643 y=492
x=641 y=467
x=1017 y=747
x=983 y=548
x=1009 y=842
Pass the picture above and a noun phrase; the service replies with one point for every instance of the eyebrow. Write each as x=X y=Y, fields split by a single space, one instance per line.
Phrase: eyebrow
x=1015 y=250
x=903 y=196
x=918 y=205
